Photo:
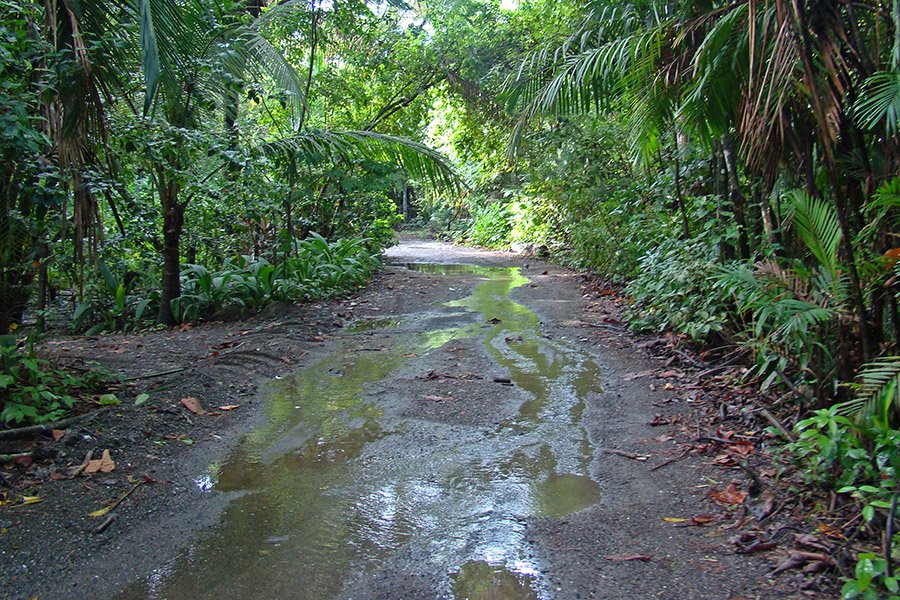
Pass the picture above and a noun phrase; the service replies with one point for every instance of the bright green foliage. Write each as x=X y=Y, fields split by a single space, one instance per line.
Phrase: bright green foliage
x=318 y=270
x=32 y=390
x=871 y=580
x=491 y=226
x=876 y=392
x=861 y=459
x=27 y=180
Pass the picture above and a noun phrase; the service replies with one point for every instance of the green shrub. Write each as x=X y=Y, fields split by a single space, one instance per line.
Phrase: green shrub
x=491 y=226
x=32 y=390
x=673 y=290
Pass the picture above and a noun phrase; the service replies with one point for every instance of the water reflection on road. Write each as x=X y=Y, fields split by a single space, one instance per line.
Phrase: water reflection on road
x=340 y=482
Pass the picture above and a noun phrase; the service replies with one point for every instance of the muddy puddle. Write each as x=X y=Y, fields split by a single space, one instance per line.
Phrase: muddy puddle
x=351 y=485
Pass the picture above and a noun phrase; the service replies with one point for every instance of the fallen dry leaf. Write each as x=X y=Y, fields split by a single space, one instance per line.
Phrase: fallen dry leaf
x=58 y=434
x=724 y=460
x=831 y=531
x=798 y=558
x=674 y=520
x=740 y=448
x=628 y=557
x=633 y=376
x=193 y=405
x=662 y=420
x=439 y=398
x=756 y=546
x=99 y=512
x=229 y=407
x=104 y=464
x=730 y=495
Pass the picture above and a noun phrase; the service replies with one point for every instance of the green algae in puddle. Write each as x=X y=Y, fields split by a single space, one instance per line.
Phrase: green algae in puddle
x=373 y=324
x=563 y=494
x=480 y=580
x=451 y=269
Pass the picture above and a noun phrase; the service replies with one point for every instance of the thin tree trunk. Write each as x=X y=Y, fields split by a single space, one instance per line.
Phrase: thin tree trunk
x=738 y=202
x=173 y=224
x=405 y=203
x=679 y=198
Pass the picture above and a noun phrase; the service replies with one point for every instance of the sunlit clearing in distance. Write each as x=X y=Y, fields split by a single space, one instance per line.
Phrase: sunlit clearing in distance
x=509 y=4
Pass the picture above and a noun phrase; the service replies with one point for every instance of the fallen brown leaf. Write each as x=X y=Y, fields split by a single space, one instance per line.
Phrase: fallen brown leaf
x=58 y=434
x=633 y=376
x=741 y=448
x=229 y=407
x=798 y=558
x=662 y=420
x=104 y=464
x=730 y=495
x=831 y=531
x=757 y=546
x=193 y=405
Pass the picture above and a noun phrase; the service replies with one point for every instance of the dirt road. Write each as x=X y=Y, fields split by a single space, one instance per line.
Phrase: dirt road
x=450 y=440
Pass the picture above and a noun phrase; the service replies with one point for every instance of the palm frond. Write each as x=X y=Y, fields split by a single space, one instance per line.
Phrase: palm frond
x=271 y=62
x=877 y=390
x=149 y=55
x=417 y=159
x=720 y=64
x=879 y=102
x=817 y=224
x=592 y=78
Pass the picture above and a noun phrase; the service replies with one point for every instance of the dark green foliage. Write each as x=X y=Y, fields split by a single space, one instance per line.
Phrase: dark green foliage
x=27 y=179
x=32 y=390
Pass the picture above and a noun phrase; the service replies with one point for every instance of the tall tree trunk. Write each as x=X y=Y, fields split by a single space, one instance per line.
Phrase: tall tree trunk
x=738 y=201
x=679 y=198
x=818 y=98
x=173 y=224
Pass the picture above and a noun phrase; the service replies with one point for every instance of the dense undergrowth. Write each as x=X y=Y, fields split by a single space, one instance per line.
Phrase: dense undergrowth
x=733 y=165
x=781 y=293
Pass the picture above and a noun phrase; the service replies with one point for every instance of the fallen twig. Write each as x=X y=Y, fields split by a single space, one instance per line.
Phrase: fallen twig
x=18 y=432
x=157 y=374
x=624 y=454
x=126 y=494
x=687 y=357
x=776 y=423
x=727 y=361
x=106 y=523
x=606 y=326
x=684 y=453
x=11 y=457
